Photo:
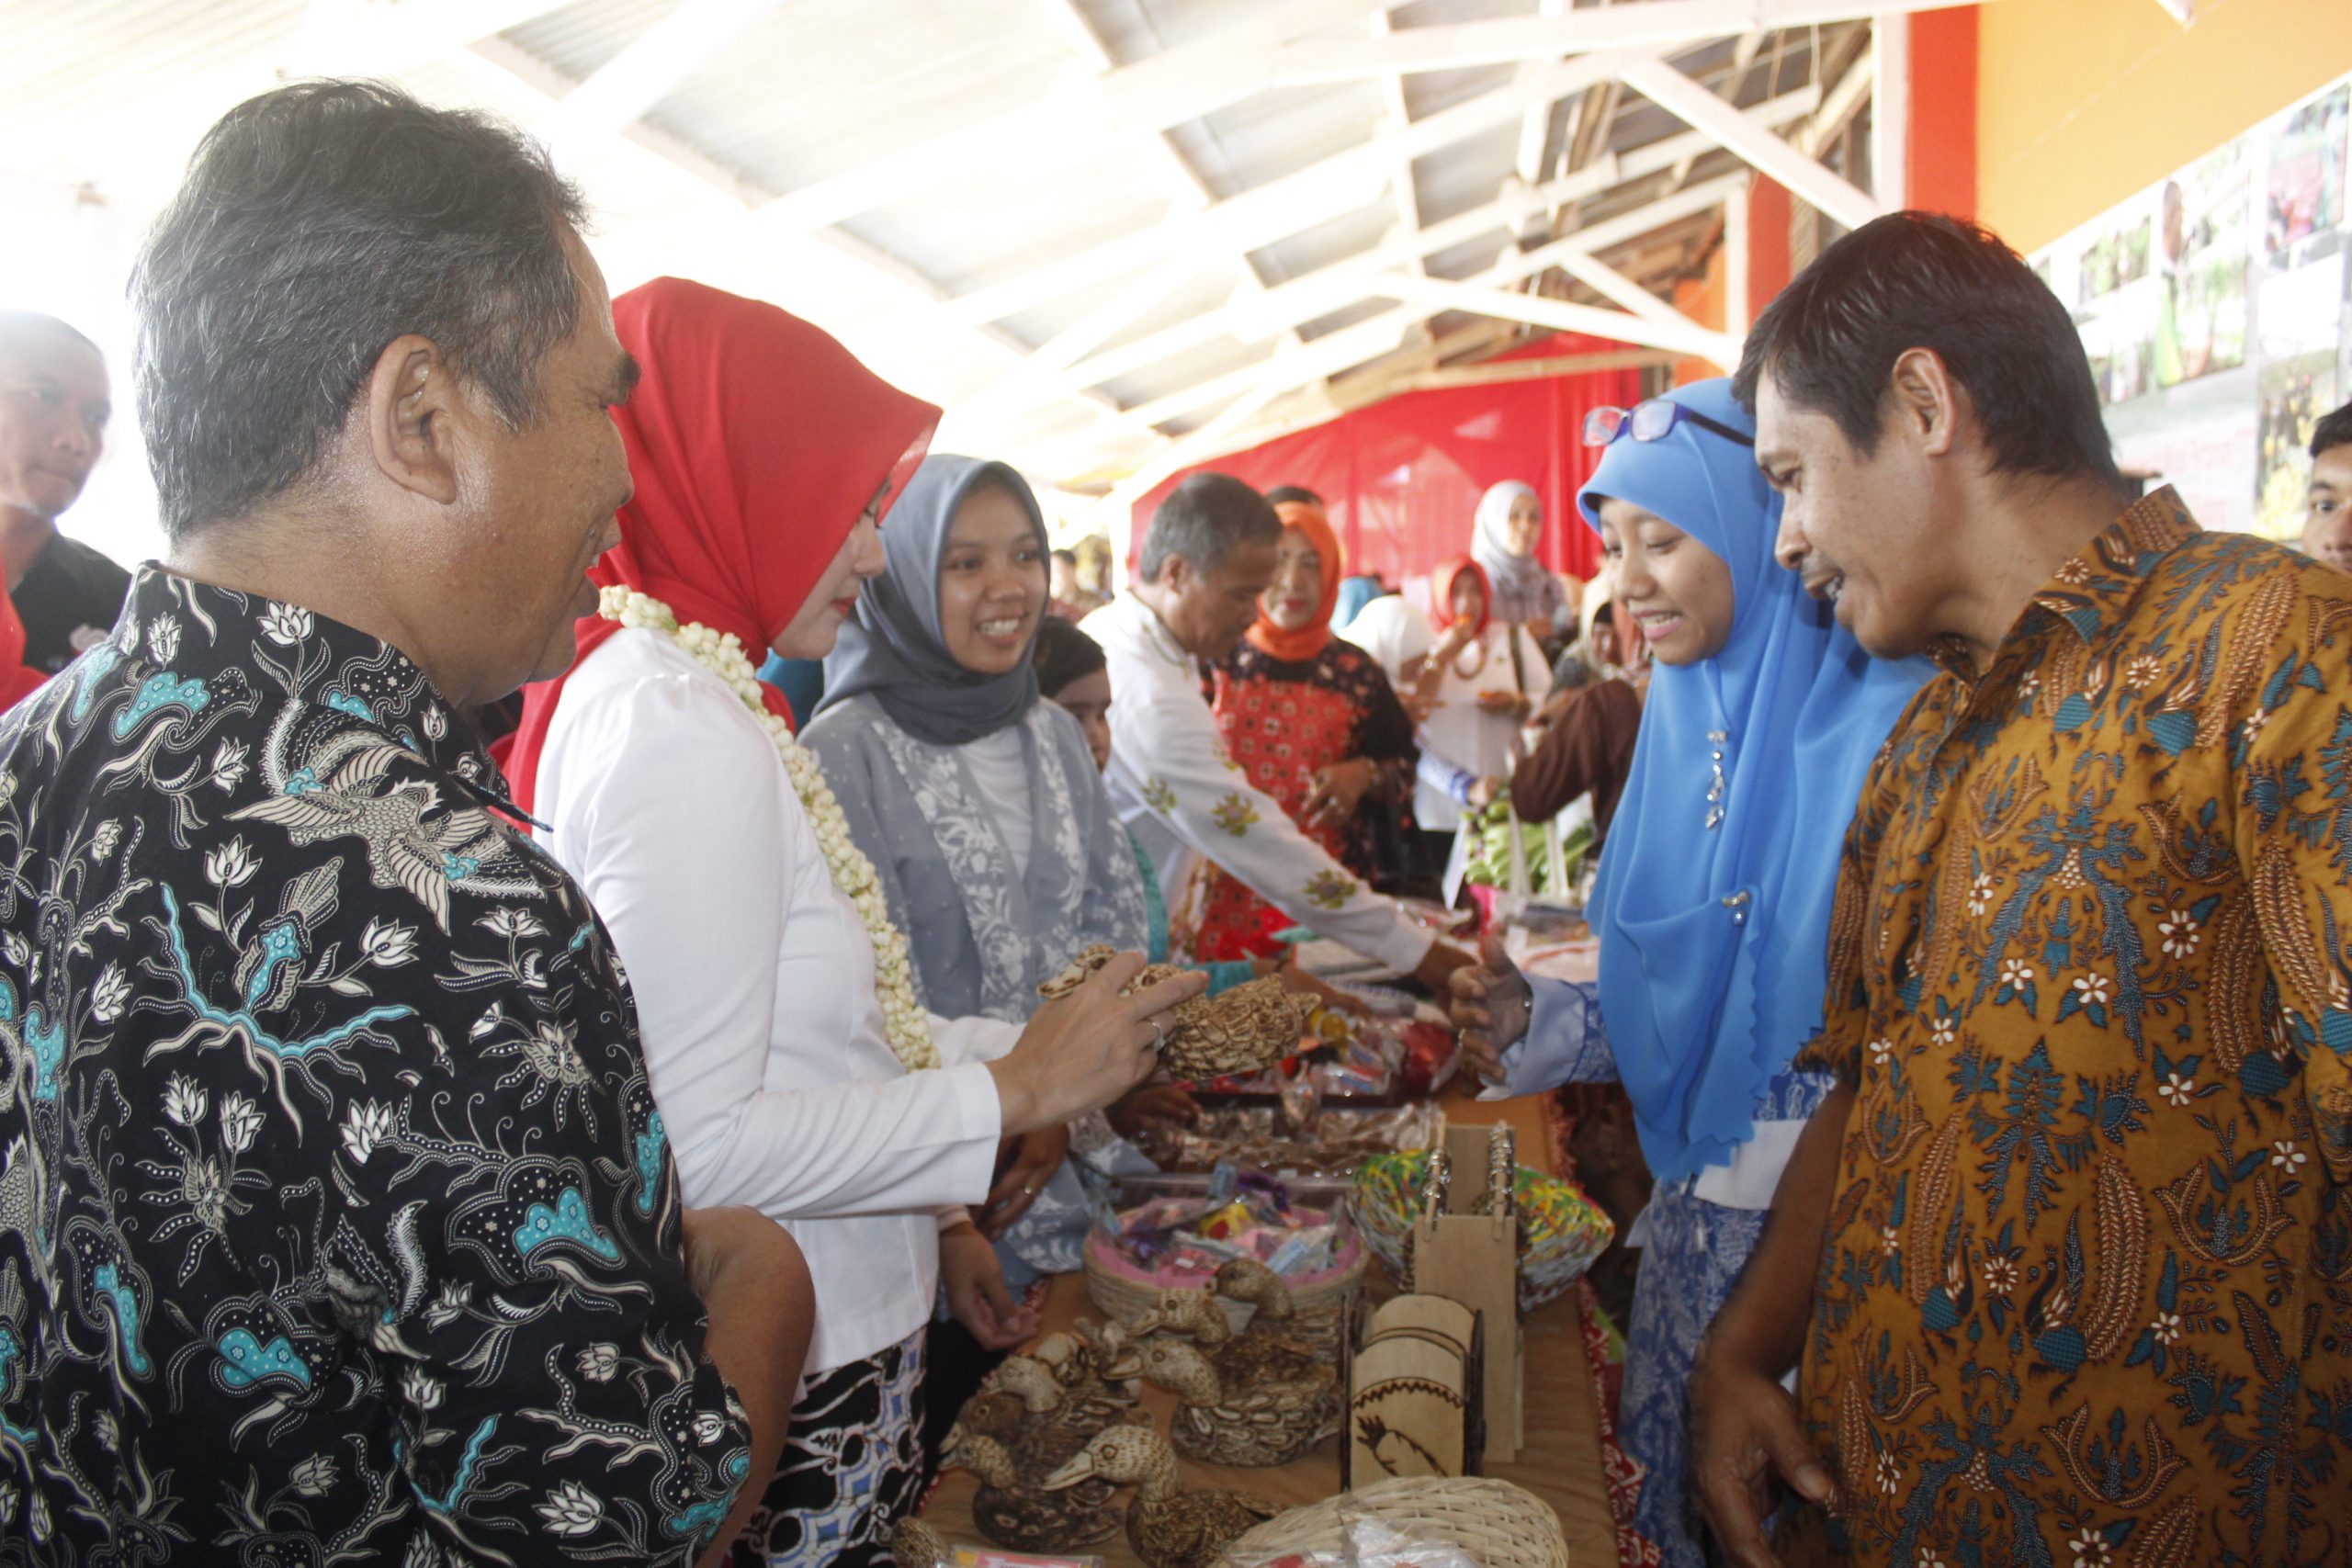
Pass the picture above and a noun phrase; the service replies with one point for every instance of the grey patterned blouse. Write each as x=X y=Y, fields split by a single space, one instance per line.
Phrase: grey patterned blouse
x=984 y=936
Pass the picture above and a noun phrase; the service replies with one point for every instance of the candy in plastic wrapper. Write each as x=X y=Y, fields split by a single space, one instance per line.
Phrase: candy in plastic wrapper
x=993 y=1557
x=1305 y=1251
x=1227 y=1223
x=1302 y=1097
x=1431 y=1055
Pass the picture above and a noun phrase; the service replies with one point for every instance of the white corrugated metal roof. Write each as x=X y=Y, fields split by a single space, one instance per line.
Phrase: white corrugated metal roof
x=1158 y=195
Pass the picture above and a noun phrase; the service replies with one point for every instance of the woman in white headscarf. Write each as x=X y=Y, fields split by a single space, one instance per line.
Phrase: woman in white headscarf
x=1526 y=593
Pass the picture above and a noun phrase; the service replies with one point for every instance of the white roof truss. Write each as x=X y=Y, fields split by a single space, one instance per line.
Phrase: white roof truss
x=1206 y=280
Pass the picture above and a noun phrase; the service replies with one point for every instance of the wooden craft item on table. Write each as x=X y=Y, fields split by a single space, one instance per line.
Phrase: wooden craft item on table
x=915 y=1544
x=1465 y=1245
x=1256 y=1397
x=1313 y=1314
x=1168 y=1527
x=1024 y=1425
x=1245 y=1029
x=1415 y=1393
x=1497 y=1525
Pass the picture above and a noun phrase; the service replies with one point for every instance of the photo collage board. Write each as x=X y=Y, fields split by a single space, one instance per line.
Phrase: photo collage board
x=2214 y=306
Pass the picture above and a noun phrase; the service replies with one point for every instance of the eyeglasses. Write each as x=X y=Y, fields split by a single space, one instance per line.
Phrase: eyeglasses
x=1652 y=420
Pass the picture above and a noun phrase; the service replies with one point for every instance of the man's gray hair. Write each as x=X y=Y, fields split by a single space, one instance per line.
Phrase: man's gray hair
x=1205 y=520
x=319 y=222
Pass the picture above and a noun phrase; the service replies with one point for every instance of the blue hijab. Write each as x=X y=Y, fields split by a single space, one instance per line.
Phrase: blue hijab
x=1355 y=593
x=1713 y=942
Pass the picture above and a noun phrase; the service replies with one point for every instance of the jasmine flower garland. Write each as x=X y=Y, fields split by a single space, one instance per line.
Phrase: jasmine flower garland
x=905 y=1025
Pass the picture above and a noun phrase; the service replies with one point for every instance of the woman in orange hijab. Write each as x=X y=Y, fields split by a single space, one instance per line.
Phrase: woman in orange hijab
x=1312 y=721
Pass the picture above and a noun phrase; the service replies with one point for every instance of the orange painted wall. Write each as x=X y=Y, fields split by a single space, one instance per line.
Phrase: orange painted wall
x=1702 y=299
x=2083 y=102
x=1940 y=170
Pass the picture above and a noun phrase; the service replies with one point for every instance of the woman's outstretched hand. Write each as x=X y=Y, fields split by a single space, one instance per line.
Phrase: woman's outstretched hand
x=1490 y=1007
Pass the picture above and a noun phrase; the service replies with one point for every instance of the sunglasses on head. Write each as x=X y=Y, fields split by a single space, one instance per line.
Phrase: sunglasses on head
x=1652 y=420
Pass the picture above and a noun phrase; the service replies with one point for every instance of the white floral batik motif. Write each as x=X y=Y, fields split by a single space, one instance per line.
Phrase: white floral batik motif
x=1081 y=886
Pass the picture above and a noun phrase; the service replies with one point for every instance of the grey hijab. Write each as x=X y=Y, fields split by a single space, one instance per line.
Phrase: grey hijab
x=893 y=647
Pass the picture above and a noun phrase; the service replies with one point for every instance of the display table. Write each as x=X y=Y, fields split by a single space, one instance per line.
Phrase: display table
x=1561 y=1461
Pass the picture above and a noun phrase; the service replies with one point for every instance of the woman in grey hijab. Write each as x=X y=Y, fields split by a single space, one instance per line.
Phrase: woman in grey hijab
x=978 y=804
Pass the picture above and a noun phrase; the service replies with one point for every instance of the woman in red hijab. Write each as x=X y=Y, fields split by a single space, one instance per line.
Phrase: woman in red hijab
x=793 y=1067
x=1482 y=680
x=1314 y=723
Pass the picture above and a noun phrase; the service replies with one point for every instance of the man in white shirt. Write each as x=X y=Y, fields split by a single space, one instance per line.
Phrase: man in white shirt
x=1209 y=554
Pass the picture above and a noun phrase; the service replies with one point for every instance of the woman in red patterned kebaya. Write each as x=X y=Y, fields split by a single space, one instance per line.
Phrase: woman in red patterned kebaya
x=1313 y=722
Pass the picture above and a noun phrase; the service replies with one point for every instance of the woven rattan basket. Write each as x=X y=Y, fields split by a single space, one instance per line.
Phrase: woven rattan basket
x=1499 y=1525
x=1322 y=1300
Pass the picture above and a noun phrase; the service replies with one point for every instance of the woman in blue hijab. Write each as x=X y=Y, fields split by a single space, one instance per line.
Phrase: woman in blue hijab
x=1713 y=896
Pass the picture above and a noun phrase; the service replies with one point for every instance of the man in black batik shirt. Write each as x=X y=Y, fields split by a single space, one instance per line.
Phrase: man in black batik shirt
x=337 y=1220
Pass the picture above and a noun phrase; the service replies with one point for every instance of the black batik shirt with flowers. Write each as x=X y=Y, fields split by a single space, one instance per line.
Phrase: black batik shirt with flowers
x=337 y=1219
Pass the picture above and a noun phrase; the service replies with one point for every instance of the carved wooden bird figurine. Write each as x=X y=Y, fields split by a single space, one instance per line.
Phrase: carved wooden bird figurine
x=1168 y=1527
x=1245 y=1029
x=916 y=1545
x=1255 y=1400
x=1013 y=1507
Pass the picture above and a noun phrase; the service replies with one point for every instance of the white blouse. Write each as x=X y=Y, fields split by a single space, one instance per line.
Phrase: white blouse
x=1459 y=734
x=754 y=985
x=1001 y=768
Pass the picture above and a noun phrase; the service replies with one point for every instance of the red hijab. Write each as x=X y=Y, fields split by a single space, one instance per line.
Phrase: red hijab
x=756 y=442
x=1442 y=592
x=1297 y=646
x=17 y=681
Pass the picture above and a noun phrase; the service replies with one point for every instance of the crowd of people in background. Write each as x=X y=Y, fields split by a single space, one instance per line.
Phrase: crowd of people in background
x=619 y=1125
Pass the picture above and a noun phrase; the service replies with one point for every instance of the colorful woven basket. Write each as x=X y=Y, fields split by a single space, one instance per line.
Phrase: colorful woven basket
x=1560 y=1230
x=1321 y=1299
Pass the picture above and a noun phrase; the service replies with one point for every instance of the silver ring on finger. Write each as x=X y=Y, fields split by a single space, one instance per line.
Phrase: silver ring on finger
x=1158 y=1034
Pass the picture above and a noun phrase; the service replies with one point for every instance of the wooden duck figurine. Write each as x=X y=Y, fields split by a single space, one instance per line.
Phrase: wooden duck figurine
x=1196 y=1312
x=1168 y=1527
x=1276 y=1313
x=1254 y=1401
x=914 y=1544
x=1049 y=1400
x=1013 y=1509
x=1080 y=1358
x=1247 y=1279
x=1178 y=1311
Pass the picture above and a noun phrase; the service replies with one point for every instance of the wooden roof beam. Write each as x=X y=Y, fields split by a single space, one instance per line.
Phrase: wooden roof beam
x=1761 y=148
x=618 y=93
x=1681 y=336
x=379 y=38
x=1149 y=95
x=1332 y=288
x=1653 y=24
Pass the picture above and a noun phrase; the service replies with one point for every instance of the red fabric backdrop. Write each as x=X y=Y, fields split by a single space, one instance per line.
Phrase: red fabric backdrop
x=1403 y=477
